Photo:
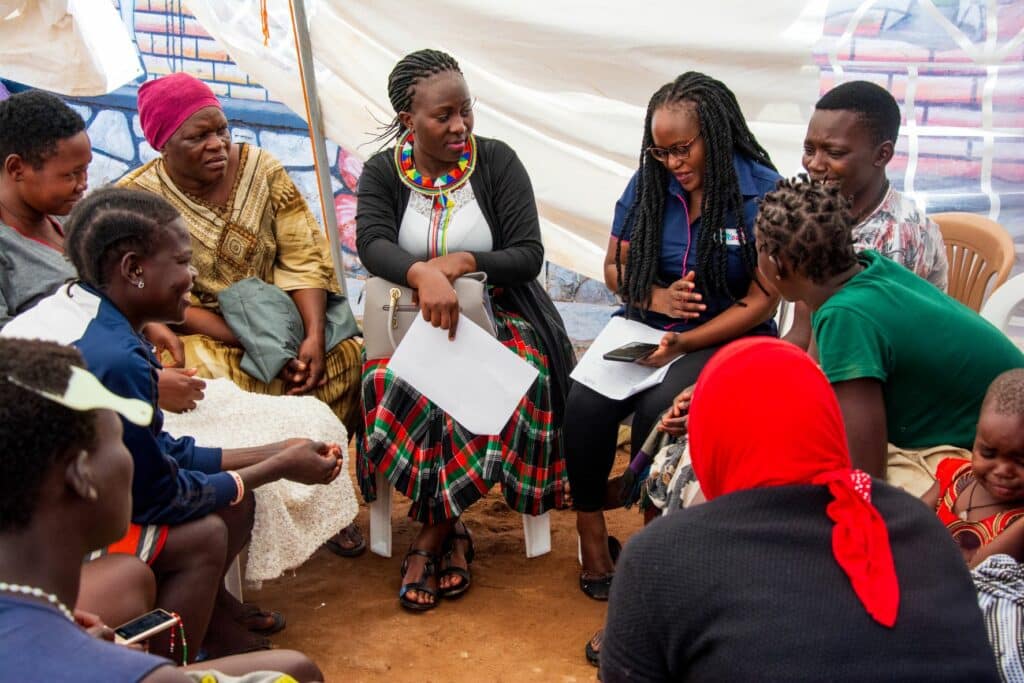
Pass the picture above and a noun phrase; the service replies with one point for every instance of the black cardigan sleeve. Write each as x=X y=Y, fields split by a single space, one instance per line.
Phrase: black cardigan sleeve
x=519 y=253
x=378 y=217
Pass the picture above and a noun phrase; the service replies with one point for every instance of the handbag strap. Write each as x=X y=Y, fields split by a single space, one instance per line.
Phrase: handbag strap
x=394 y=295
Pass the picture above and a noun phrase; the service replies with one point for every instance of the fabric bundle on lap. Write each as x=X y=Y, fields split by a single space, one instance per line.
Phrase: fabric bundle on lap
x=292 y=520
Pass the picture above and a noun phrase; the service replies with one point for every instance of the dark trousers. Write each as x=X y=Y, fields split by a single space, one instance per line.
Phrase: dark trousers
x=592 y=425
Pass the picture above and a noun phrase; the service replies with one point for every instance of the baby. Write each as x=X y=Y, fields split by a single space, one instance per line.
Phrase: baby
x=980 y=500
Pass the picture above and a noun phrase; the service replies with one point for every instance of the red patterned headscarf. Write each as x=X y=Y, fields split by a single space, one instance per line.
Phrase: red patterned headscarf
x=166 y=103
x=763 y=414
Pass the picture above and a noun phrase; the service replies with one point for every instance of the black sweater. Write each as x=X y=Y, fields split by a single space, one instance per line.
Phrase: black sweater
x=505 y=196
x=745 y=588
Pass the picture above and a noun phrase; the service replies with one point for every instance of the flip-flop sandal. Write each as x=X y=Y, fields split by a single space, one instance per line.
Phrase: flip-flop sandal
x=594 y=653
x=599 y=586
x=429 y=567
x=353 y=533
x=465 y=576
x=252 y=612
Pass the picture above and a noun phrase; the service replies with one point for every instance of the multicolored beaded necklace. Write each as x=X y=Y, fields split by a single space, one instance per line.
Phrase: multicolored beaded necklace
x=440 y=188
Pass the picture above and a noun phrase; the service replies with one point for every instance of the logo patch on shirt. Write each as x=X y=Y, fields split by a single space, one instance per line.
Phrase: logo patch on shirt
x=732 y=237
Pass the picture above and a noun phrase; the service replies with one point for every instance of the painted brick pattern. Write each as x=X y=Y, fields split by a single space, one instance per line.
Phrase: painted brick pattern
x=899 y=45
x=170 y=40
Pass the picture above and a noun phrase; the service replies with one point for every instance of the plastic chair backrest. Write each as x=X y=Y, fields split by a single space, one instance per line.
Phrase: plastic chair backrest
x=978 y=249
x=1000 y=306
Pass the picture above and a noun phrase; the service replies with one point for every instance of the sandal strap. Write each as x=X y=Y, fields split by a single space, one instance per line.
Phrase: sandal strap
x=428 y=567
x=463 y=535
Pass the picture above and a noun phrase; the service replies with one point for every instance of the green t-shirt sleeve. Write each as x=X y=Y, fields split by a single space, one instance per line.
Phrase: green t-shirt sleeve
x=850 y=346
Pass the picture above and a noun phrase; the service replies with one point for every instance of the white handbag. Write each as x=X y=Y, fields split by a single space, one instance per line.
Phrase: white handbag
x=389 y=311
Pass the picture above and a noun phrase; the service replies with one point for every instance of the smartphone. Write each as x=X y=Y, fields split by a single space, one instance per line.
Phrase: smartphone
x=631 y=352
x=146 y=626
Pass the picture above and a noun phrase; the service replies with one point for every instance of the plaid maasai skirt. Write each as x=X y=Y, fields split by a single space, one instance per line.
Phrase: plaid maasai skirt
x=341 y=370
x=443 y=468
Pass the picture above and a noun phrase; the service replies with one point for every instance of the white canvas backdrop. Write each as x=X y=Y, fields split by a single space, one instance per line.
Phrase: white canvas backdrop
x=71 y=47
x=564 y=82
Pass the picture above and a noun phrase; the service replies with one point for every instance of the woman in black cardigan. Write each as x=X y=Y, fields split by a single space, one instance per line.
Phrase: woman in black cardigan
x=440 y=204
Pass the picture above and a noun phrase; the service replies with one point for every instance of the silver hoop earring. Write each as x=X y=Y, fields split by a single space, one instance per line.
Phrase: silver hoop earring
x=141 y=284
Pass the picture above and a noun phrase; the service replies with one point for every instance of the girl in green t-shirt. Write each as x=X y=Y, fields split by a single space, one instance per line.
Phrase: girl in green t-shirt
x=909 y=365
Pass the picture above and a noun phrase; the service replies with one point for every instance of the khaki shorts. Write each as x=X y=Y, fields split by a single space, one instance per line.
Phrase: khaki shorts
x=914 y=470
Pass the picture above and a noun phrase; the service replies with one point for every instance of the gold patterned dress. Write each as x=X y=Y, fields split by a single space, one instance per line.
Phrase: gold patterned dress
x=265 y=230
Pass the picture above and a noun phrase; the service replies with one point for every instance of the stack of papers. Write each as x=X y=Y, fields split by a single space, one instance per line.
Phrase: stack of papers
x=474 y=377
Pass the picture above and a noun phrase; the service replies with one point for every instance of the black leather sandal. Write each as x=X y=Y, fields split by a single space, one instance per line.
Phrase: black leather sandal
x=429 y=567
x=598 y=586
x=465 y=576
x=593 y=648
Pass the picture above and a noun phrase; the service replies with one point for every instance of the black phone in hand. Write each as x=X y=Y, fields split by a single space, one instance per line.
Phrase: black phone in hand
x=631 y=352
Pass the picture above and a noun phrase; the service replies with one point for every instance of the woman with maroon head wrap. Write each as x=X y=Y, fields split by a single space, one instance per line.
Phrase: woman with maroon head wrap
x=798 y=567
x=247 y=219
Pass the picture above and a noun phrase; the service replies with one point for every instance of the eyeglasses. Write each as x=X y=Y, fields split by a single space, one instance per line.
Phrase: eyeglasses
x=680 y=151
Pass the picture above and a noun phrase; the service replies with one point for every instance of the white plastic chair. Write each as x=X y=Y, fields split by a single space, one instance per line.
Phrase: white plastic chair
x=233 y=580
x=537 y=530
x=1002 y=302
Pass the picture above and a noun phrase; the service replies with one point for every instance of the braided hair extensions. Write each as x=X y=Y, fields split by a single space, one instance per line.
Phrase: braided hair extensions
x=724 y=132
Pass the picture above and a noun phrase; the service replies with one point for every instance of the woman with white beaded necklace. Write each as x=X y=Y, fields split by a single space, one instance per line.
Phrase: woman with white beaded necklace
x=65 y=490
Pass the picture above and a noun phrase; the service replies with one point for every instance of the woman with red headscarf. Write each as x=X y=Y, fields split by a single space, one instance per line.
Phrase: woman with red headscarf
x=798 y=567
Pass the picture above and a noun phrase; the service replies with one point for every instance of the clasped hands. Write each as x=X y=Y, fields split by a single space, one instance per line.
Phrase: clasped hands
x=679 y=300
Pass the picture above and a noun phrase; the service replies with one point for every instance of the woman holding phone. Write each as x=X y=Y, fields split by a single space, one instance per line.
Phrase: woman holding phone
x=681 y=256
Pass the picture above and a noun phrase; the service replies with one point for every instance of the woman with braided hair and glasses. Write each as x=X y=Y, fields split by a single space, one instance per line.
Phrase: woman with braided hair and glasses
x=681 y=256
x=440 y=204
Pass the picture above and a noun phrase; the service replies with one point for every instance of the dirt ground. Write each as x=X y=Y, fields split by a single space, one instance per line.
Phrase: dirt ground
x=523 y=619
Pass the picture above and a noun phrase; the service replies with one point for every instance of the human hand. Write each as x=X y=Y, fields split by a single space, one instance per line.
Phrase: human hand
x=680 y=299
x=437 y=299
x=673 y=422
x=164 y=339
x=93 y=625
x=454 y=265
x=307 y=368
x=311 y=462
x=179 y=389
x=671 y=346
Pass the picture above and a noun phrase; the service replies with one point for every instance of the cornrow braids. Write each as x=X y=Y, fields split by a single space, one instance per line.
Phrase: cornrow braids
x=725 y=132
x=402 y=81
x=109 y=223
x=809 y=224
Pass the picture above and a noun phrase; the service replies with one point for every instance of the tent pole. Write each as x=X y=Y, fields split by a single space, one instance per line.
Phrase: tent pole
x=307 y=74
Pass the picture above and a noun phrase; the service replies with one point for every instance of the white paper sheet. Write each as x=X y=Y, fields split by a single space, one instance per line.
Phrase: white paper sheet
x=616 y=379
x=473 y=378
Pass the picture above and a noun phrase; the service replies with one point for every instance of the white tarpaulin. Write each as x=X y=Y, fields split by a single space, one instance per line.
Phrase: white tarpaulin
x=565 y=83
x=72 y=47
